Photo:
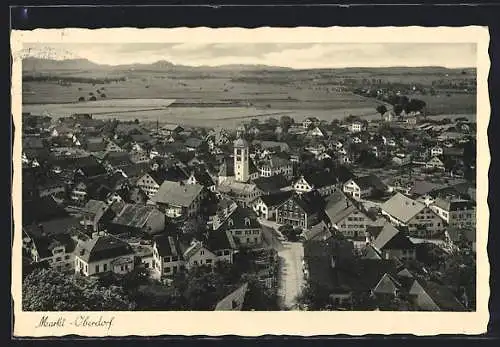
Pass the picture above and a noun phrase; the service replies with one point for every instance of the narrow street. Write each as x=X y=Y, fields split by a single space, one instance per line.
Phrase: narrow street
x=291 y=276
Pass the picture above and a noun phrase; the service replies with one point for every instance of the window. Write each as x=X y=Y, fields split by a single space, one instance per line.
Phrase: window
x=58 y=259
x=202 y=252
x=105 y=267
x=97 y=268
x=167 y=259
x=226 y=252
x=209 y=261
x=175 y=258
x=66 y=256
x=167 y=269
x=195 y=262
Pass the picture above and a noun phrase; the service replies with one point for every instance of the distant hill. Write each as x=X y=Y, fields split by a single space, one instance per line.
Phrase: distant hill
x=48 y=65
x=49 y=61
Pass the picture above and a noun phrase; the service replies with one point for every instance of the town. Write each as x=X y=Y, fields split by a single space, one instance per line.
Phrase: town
x=274 y=215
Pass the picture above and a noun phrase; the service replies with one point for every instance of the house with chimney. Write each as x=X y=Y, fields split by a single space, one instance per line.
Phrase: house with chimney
x=171 y=255
x=56 y=250
x=421 y=221
x=103 y=253
x=389 y=242
x=177 y=199
x=300 y=210
x=137 y=219
x=346 y=216
x=265 y=206
x=240 y=222
x=456 y=212
x=324 y=182
x=363 y=187
x=150 y=182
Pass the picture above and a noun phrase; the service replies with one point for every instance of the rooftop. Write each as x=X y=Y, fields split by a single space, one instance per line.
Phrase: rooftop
x=177 y=193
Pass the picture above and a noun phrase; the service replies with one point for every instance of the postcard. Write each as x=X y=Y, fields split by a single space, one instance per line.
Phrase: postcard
x=284 y=181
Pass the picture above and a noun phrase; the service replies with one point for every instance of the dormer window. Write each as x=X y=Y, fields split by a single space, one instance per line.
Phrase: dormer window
x=247 y=221
x=230 y=222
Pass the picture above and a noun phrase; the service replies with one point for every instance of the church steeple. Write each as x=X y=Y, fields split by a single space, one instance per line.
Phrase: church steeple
x=241 y=160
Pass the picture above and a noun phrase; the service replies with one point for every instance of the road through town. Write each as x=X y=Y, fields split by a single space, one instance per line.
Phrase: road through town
x=291 y=275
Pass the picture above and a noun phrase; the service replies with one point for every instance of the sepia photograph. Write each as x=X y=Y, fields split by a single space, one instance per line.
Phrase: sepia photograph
x=216 y=175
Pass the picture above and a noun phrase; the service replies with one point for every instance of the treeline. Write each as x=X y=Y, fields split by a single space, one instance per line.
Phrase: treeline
x=72 y=79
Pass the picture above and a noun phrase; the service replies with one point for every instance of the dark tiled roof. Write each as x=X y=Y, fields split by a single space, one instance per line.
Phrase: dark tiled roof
x=321 y=179
x=276 y=199
x=168 y=246
x=103 y=247
x=441 y=296
x=218 y=240
x=339 y=206
x=42 y=210
x=52 y=227
x=271 y=184
x=241 y=218
x=391 y=238
x=368 y=181
x=46 y=243
x=203 y=178
x=177 y=194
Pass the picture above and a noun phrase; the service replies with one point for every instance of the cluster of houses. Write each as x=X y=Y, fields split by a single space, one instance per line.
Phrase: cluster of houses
x=103 y=196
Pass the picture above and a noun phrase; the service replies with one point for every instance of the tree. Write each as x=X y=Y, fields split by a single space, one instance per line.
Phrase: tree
x=258 y=297
x=81 y=98
x=398 y=108
x=286 y=122
x=50 y=290
x=381 y=109
x=315 y=297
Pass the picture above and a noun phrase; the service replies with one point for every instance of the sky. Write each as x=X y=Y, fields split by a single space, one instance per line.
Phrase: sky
x=293 y=55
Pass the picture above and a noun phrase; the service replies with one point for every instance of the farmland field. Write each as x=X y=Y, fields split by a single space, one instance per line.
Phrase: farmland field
x=227 y=98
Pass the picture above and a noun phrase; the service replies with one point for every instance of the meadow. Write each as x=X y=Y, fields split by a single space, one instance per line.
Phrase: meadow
x=228 y=97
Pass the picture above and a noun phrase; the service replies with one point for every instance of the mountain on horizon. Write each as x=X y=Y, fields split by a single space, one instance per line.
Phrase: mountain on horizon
x=48 y=59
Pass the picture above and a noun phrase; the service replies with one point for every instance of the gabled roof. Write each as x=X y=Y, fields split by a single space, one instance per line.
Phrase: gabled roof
x=234 y=301
x=167 y=246
x=173 y=173
x=203 y=177
x=318 y=232
x=369 y=181
x=321 y=179
x=386 y=285
x=275 y=199
x=218 y=240
x=46 y=243
x=240 y=218
x=178 y=194
x=102 y=247
x=271 y=184
x=402 y=207
x=453 y=204
x=135 y=215
x=441 y=296
x=391 y=238
x=339 y=206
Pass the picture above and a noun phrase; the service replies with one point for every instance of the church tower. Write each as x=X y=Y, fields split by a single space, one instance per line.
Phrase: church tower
x=241 y=157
